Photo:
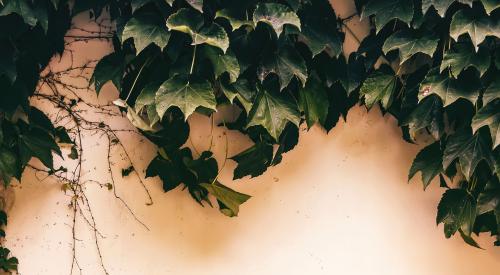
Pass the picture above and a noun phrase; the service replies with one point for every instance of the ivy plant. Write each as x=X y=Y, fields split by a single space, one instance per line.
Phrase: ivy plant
x=433 y=65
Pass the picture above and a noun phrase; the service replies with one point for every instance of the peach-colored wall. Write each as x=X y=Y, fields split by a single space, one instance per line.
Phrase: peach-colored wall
x=338 y=204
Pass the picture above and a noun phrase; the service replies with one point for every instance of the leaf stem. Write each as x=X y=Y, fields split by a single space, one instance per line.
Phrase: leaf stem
x=192 y=61
x=137 y=77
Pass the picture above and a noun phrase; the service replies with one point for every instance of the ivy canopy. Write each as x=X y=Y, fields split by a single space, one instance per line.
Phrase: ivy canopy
x=281 y=63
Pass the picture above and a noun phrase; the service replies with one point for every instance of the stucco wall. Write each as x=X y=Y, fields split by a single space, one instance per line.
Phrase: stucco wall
x=338 y=204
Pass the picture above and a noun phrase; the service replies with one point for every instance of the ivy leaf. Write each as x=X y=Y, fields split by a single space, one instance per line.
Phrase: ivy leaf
x=191 y=22
x=428 y=114
x=352 y=73
x=319 y=36
x=253 y=161
x=235 y=19
x=223 y=63
x=197 y=4
x=214 y=35
x=286 y=64
x=187 y=94
x=429 y=162
x=109 y=68
x=490 y=5
x=313 y=101
x=387 y=10
x=463 y=56
x=241 y=90
x=145 y=102
x=145 y=29
x=22 y=8
x=275 y=15
x=229 y=198
x=145 y=121
x=477 y=24
x=489 y=199
x=273 y=113
x=492 y=92
x=37 y=143
x=7 y=62
x=186 y=21
x=449 y=89
x=469 y=149
x=468 y=239
x=9 y=165
x=3 y=218
x=7 y=263
x=137 y=4
x=408 y=44
x=169 y=171
x=41 y=13
x=441 y=6
x=379 y=86
x=147 y=96
x=288 y=140
x=457 y=210
x=489 y=115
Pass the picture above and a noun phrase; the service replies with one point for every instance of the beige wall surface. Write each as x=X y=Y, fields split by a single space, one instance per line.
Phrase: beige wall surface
x=338 y=204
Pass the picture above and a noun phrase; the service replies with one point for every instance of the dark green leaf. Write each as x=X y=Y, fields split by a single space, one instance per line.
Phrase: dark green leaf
x=313 y=101
x=286 y=64
x=448 y=88
x=145 y=29
x=39 y=144
x=379 y=86
x=463 y=56
x=489 y=115
x=23 y=8
x=387 y=10
x=408 y=45
x=223 y=63
x=230 y=198
x=319 y=36
x=351 y=74
x=468 y=239
x=276 y=15
x=273 y=113
x=441 y=5
x=241 y=90
x=492 y=92
x=429 y=162
x=110 y=68
x=191 y=22
x=235 y=18
x=187 y=94
x=9 y=165
x=253 y=161
x=489 y=199
x=477 y=24
x=428 y=114
x=457 y=210
x=468 y=149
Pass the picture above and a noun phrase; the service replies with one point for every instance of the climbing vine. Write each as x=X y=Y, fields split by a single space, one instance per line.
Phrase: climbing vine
x=433 y=65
